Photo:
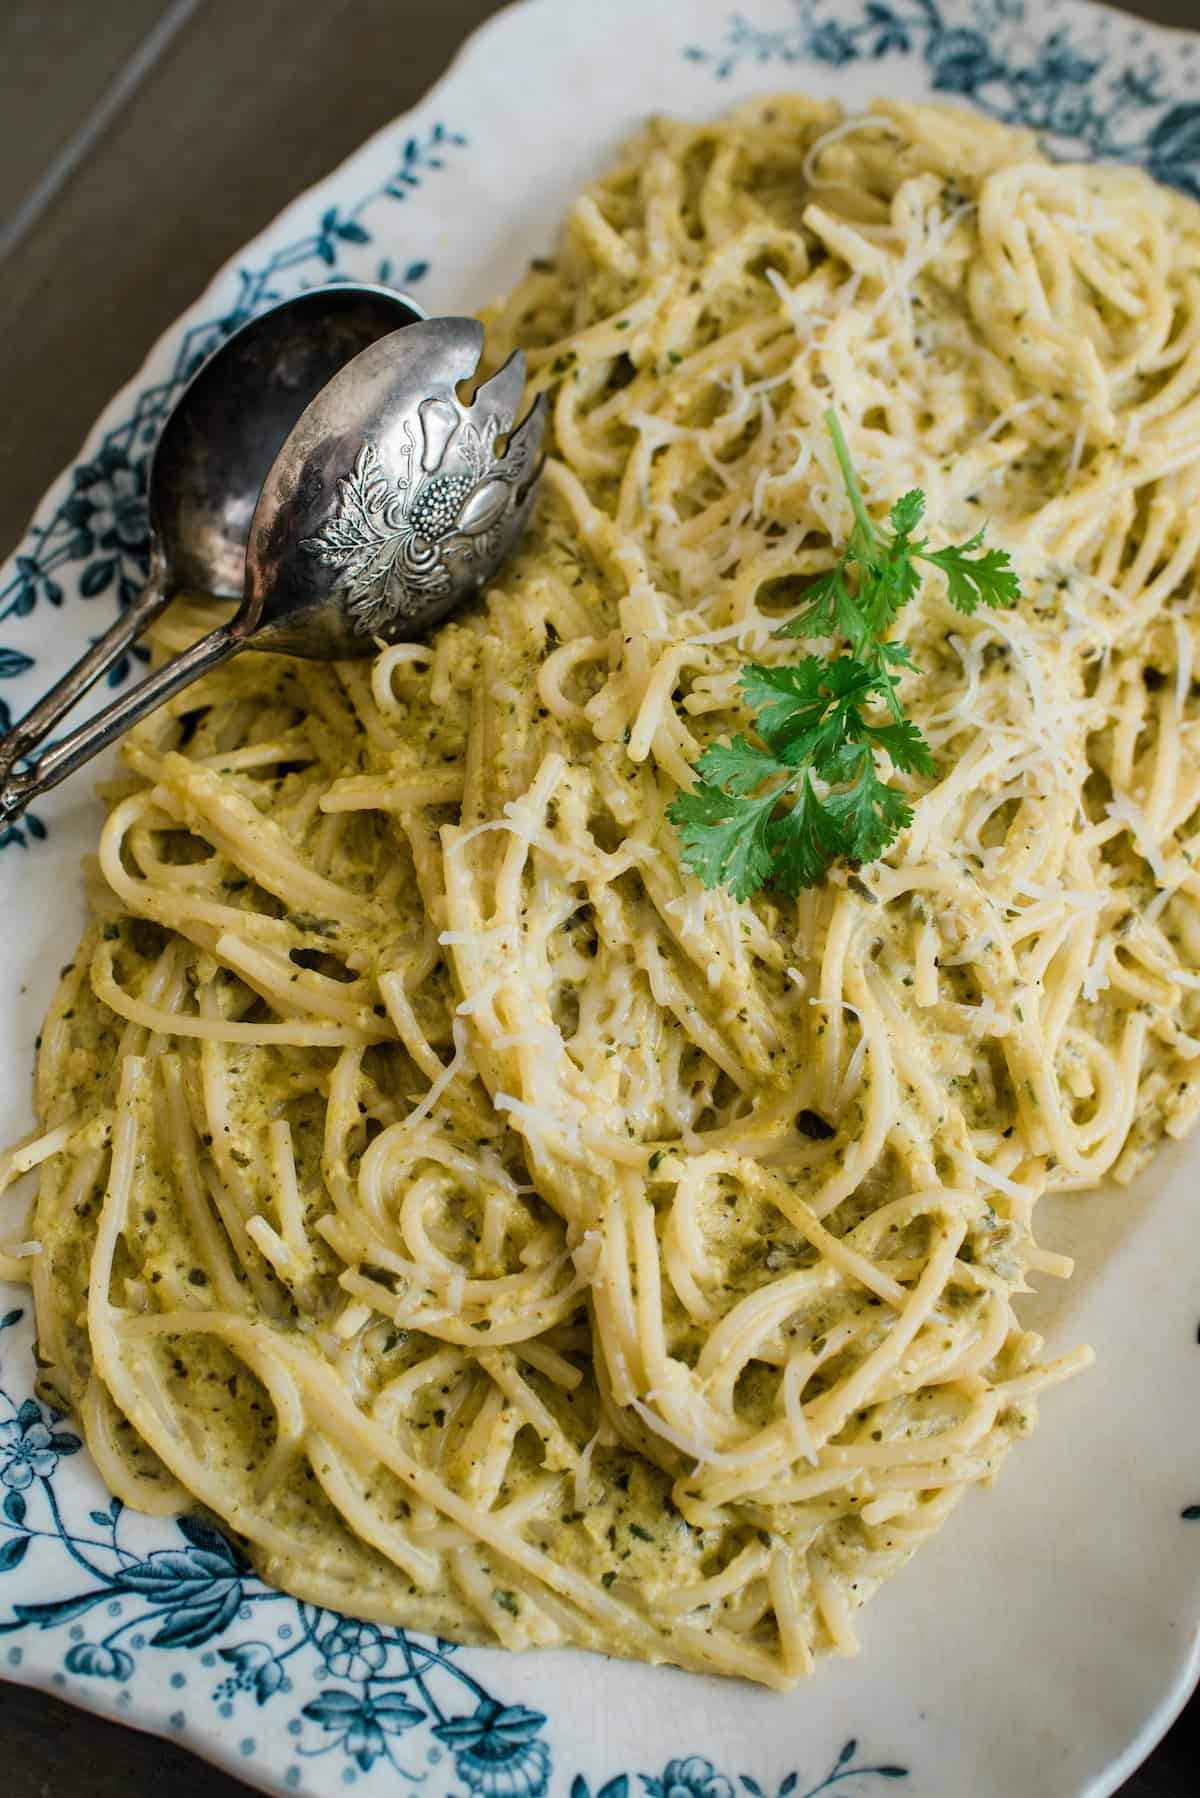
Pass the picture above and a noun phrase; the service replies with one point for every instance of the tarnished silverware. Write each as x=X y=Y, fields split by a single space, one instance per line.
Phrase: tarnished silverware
x=379 y=505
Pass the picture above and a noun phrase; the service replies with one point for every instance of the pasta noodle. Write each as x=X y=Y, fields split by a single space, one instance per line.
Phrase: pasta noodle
x=506 y=1236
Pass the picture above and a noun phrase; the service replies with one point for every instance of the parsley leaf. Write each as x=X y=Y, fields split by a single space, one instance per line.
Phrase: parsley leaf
x=804 y=841
x=788 y=700
x=870 y=813
x=908 y=512
x=905 y=744
x=783 y=813
x=829 y=609
x=989 y=577
x=740 y=769
x=725 y=838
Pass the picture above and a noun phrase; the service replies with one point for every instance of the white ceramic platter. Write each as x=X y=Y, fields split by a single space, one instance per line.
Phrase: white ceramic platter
x=1044 y=1641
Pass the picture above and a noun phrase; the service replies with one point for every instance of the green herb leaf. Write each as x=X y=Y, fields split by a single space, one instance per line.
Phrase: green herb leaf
x=989 y=577
x=724 y=838
x=784 y=813
x=805 y=841
x=739 y=768
x=788 y=700
x=908 y=512
x=905 y=744
x=897 y=655
x=871 y=814
x=829 y=609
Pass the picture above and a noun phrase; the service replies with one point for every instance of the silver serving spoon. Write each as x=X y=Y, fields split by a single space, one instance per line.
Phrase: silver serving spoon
x=213 y=454
x=385 y=507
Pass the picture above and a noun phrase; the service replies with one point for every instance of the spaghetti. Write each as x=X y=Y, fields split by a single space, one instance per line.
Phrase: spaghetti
x=502 y=1234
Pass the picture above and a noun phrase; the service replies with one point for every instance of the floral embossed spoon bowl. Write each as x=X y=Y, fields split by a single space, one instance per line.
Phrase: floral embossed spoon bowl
x=385 y=508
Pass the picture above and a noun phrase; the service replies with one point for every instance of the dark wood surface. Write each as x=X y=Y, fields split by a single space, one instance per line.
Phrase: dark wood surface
x=141 y=143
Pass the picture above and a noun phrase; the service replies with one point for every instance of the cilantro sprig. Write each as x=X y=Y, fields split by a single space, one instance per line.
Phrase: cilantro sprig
x=781 y=811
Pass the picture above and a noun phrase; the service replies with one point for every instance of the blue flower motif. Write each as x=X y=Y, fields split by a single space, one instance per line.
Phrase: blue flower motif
x=830 y=43
x=495 y=1751
x=1175 y=148
x=99 y=1660
x=30 y=1449
x=353 y=1650
x=1069 y=114
x=693 y=1778
x=1052 y=106
x=30 y=1457
x=1139 y=87
x=1061 y=64
x=197 y=1590
x=108 y=501
x=961 y=61
x=255 y=1669
x=362 y=1725
x=892 y=33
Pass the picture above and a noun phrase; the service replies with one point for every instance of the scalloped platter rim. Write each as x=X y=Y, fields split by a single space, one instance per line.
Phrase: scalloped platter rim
x=1047 y=1639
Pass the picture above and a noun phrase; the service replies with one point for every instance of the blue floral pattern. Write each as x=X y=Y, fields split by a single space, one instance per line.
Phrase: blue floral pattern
x=498 y=1750
x=1054 y=82
x=1065 y=86
x=382 y=1696
x=102 y=521
x=31 y=1449
x=696 y=1777
x=373 y=1703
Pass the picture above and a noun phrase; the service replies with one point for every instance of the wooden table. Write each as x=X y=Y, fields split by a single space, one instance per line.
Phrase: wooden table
x=141 y=143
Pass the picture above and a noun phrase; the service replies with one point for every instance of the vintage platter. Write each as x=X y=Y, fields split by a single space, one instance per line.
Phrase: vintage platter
x=1047 y=1638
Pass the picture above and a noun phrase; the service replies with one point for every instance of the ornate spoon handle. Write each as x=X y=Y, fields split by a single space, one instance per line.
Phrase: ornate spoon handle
x=40 y=720
x=16 y=790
